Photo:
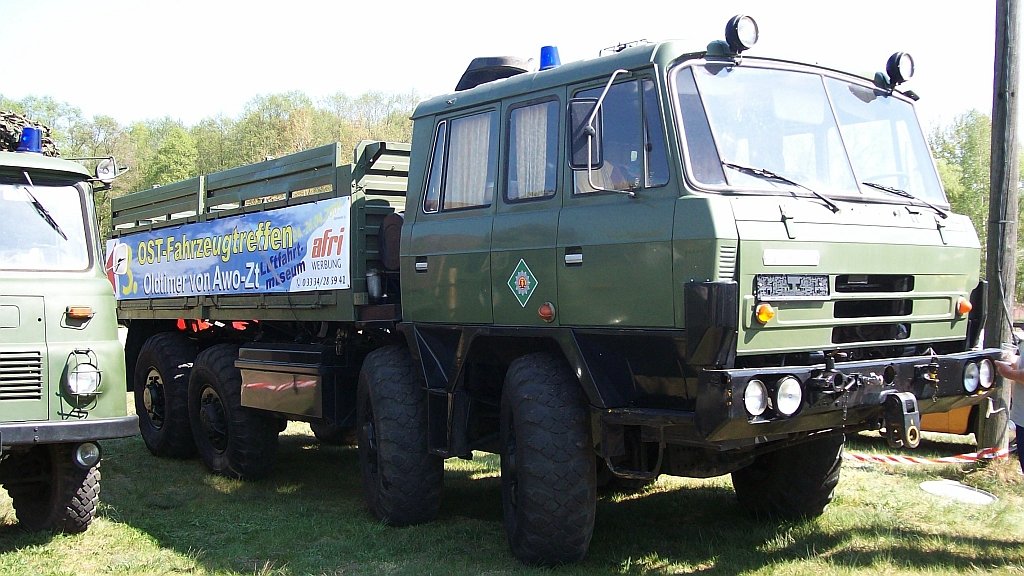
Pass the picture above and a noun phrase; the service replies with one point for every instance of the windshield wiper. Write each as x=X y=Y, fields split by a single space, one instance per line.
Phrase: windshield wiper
x=40 y=209
x=769 y=175
x=905 y=194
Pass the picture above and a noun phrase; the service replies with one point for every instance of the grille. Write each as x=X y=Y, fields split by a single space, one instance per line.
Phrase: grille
x=870 y=308
x=21 y=375
x=726 y=262
x=874 y=283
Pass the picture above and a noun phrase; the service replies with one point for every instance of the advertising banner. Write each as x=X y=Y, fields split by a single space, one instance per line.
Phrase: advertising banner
x=294 y=249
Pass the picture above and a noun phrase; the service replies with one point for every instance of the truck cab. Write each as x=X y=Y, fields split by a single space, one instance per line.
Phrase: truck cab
x=61 y=363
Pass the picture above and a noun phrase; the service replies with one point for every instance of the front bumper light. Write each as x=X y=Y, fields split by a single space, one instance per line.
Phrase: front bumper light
x=755 y=397
x=986 y=373
x=788 y=396
x=972 y=377
x=87 y=455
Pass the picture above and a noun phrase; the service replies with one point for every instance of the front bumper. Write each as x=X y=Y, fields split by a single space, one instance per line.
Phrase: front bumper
x=850 y=395
x=67 y=431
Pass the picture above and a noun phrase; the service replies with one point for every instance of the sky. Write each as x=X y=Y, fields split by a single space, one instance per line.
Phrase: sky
x=138 y=60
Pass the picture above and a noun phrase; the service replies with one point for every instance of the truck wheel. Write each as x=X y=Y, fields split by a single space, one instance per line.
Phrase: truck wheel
x=791 y=483
x=64 y=500
x=161 y=394
x=401 y=479
x=333 y=434
x=548 y=468
x=232 y=440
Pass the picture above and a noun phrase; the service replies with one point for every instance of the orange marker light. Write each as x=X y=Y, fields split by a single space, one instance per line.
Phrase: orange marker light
x=764 y=313
x=80 y=312
x=963 y=306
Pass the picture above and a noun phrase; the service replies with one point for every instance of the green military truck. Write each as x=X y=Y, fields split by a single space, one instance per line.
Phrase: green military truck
x=61 y=363
x=658 y=261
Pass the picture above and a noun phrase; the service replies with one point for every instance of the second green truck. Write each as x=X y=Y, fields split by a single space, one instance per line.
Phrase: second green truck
x=658 y=261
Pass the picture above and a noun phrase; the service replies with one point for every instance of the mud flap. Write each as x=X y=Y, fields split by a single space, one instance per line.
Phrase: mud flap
x=902 y=420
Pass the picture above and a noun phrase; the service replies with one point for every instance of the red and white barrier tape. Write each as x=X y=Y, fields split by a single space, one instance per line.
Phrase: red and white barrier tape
x=971 y=457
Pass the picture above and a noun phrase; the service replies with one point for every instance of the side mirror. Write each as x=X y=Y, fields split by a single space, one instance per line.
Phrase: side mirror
x=106 y=170
x=121 y=257
x=587 y=151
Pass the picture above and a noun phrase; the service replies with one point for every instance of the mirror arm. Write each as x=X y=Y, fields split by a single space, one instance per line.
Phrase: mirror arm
x=600 y=99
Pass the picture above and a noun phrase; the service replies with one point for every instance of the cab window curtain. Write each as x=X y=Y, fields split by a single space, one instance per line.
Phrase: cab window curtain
x=469 y=181
x=532 y=133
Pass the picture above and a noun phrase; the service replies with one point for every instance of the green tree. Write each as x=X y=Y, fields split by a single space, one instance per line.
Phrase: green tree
x=963 y=155
x=174 y=159
x=962 y=151
x=214 y=144
x=270 y=126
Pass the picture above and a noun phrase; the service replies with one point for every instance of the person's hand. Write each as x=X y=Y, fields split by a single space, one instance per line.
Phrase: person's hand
x=1008 y=369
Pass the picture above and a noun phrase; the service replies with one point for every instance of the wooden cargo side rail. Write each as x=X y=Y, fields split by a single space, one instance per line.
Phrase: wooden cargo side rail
x=376 y=180
x=301 y=177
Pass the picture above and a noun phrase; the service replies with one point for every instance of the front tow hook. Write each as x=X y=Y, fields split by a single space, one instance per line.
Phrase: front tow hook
x=902 y=420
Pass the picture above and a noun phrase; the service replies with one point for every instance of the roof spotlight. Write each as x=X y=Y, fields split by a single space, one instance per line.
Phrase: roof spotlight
x=900 y=68
x=741 y=33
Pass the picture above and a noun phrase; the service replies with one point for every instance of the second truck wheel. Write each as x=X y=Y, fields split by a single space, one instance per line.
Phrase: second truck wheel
x=232 y=440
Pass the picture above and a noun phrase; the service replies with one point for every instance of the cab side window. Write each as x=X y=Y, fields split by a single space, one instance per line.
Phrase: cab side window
x=463 y=165
x=633 y=138
x=532 y=151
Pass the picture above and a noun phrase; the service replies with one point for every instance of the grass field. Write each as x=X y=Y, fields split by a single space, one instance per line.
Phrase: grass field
x=171 y=517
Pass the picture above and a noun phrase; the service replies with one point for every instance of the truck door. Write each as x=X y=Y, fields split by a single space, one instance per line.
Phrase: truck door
x=524 y=273
x=451 y=237
x=614 y=250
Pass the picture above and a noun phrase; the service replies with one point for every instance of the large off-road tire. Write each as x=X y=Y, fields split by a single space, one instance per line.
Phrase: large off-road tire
x=160 y=387
x=791 y=483
x=548 y=468
x=232 y=440
x=65 y=501
x=401 y=479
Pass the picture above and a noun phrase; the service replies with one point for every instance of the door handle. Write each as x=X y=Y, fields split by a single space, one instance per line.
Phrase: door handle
x=421 y=264
x=574 y=256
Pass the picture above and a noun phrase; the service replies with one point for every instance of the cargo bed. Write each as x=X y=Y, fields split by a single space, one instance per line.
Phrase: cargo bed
x=213 y=247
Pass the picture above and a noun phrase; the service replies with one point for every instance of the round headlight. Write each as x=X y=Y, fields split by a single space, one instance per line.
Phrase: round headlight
x=755 y=397
x=84 y=380
x=741 y=33
x=971 y=377
x=900 y=68
x=788 y=396
x=986 y=373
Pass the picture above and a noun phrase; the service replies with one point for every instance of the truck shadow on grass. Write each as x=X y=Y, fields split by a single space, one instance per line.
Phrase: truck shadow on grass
x=309 y=517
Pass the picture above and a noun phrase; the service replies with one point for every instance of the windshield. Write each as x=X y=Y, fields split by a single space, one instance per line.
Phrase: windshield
x=43 y=228
x=824 y=134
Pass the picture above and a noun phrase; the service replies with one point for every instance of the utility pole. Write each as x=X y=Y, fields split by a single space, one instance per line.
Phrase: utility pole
x=1001 y=265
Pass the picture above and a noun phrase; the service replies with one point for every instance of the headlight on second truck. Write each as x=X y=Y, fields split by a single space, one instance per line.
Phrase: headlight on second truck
x=755 y=397
x=972 y=377
x=83 y=380
x=788 y=396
